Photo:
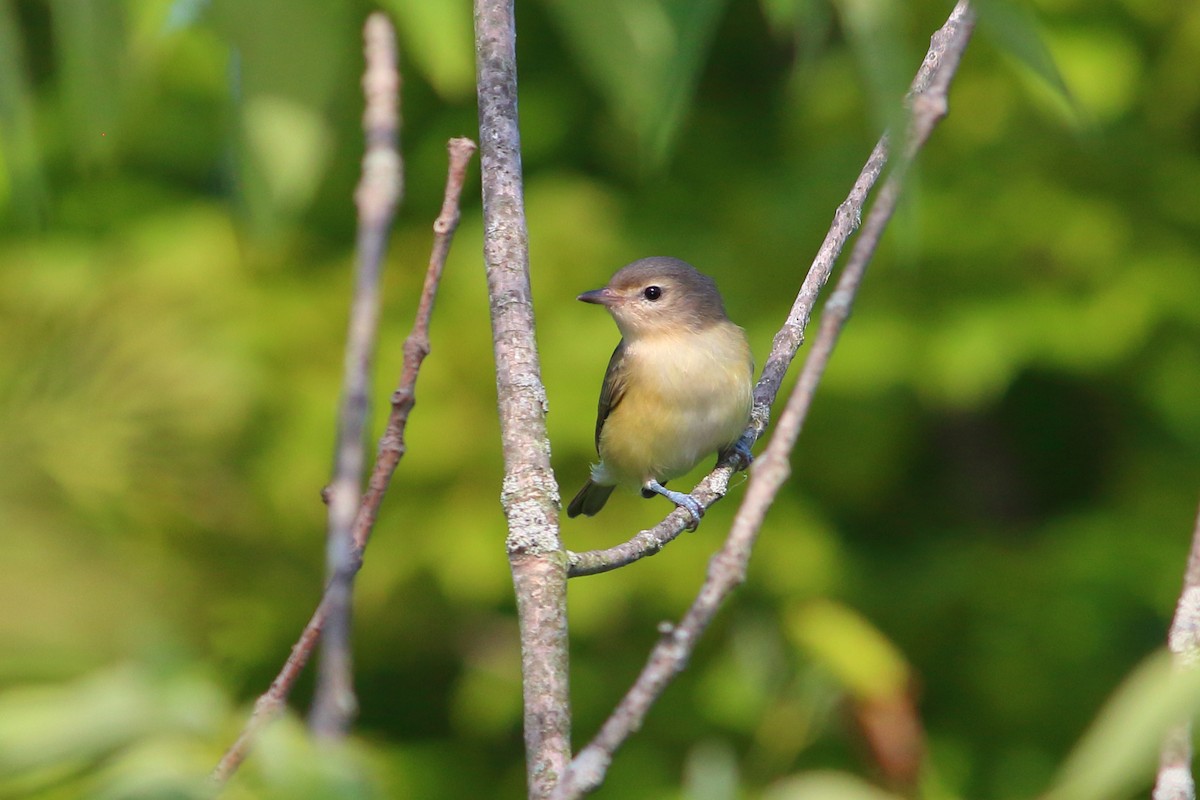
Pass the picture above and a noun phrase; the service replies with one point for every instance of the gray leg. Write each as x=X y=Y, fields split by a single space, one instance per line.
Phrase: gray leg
x=678 y=498
x=742 y=448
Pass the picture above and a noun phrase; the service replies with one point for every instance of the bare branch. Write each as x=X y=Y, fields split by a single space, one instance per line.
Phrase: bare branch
x=391 y=450
x=786 y=343
x=271 y=703
x=1174 y=781
x=648 y=542
x=378 y=194
x=530 y=492
x=416 y=346
x=727 y=568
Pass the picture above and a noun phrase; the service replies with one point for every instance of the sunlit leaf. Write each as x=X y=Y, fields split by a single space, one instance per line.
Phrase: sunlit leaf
x=291 y=145
x=851 y=648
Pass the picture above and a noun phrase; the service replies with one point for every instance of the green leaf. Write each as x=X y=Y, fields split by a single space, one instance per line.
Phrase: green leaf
x=47 y=725
x=874 y=29
x=1118 y=752
x=1015 y=31
x=645 y=57
x=290 y=143
x=826 y=786
x=851 y=648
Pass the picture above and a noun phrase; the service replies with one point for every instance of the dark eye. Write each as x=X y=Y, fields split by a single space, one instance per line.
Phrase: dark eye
x=652 y=292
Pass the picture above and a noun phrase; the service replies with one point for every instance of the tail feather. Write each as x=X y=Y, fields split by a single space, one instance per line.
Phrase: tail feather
x=591 y=498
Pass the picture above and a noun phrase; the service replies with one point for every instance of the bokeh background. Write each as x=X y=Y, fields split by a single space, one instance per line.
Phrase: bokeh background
x=996 y=486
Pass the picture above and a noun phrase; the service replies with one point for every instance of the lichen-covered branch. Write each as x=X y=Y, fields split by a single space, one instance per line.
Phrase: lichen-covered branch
x=530 y=493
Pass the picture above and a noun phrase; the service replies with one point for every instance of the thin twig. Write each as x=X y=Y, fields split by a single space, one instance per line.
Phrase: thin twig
x=416 y=346
x=727 y=568
x=529 y=495
x=1174 y=781
x=377 y=196
x=391 y=450
x=786 y=343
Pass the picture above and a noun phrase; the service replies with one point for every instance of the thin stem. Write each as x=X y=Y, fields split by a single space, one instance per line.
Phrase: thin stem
x=416 y=346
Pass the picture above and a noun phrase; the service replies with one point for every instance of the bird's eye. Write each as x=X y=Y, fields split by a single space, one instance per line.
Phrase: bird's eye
x=652 y=292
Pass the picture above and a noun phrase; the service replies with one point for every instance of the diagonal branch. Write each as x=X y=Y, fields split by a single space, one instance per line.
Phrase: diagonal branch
x=727 y=568
x=391 y=449
x=1174 y=780
x=786 y=343
x=416 y=346
x=530 y=493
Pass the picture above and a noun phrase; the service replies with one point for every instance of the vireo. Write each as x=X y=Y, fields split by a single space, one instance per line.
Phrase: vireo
x=678 y=386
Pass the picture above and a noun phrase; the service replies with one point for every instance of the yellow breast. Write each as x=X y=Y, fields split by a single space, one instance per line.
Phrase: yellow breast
x=687 y=396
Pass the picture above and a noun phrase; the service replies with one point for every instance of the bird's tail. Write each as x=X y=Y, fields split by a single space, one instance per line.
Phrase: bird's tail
x=591 y=498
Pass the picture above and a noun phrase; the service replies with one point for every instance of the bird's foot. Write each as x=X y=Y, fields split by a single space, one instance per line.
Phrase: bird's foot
x=684 y=501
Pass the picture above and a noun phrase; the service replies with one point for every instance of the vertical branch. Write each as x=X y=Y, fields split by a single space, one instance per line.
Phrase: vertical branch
x=530 y=492
x=1174 y=781
x=727 y=569
x=377 y=195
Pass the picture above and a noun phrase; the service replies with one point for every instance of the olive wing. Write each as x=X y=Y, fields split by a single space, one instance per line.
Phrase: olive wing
x=613 y=389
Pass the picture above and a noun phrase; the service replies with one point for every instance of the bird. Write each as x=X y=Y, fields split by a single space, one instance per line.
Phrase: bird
x=678 y=386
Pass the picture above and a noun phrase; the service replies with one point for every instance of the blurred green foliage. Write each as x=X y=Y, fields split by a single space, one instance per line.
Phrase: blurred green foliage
x=993 y=494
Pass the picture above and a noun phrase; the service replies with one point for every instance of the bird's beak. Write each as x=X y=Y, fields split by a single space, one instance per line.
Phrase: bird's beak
x=602 y=297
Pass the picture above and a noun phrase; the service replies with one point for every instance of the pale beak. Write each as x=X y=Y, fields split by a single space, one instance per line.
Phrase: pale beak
x=602 y=297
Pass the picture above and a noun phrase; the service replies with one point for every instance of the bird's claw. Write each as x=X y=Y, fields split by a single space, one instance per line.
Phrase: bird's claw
x=684 y=501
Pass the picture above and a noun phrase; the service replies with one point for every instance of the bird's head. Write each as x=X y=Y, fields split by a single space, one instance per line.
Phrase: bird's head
x=659 y=295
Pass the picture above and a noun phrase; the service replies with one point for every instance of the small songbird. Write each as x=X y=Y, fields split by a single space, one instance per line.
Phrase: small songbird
x=678 y=386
